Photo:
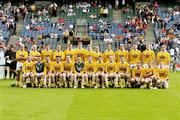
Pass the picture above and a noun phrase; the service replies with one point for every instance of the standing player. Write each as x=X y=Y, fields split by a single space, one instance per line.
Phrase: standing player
x=58 y=53
x=122 y=53
x=34 y=53
x=89 y=53
x=79 y=67
x=69 y=72
x=135 y=81
x=89 y=73
x=97 y=54
x=123 y=72
x=148 y=56
x=80 y=52
x=108 y=53
x=134 y=56
x=110 y=72
x=162 y=76
x=69 y=52
x=164 y=57
x=28 y=73
x=58 y=72
x=21 y=57
x=39 y=72
x=47 y=52
x=100 y=75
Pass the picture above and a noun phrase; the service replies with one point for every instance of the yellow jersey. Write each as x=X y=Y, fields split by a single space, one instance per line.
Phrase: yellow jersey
x=124 y=54
x=137 y=73
x=69 y=67
x=148 y=72
x=162 y=74
x=58 y=54
x=163 y=57
x=96 y=56
x=89 y=67
x=34 y=54
x=134 y=56
x=111 y=67
x=28 y=67
x=100 y=67
x=46 y=53
x=48 y=66
x=58 y=67
x=106 y=55
x=69 y=53
x=123 y=68
x=21 y=53
x=80 y=53
x=148 y=56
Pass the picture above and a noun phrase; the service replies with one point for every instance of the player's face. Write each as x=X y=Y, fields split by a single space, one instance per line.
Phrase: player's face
x=90 y=59
x=47 y=58
x=58 y=59
x=163 y=48
x=122 y=60
x=138 y=66
x=89 y=48
x=29 y=59
x=109 y=47
x=121 y=47
x=80 y=45
x=39 y=59
x=70 y=47
x=149 y=65
x=100 y=59
x=134 y=47
x=110 y=58
x=97 y=49
x=22 y=47
x=58 y=48
x=78 y=59
x=68 y=59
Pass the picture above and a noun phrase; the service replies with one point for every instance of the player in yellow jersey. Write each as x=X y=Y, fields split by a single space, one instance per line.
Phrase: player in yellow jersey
x=21 y=57
x=58 y=72
x=47 y=52
x=28 y=73
x=107 y=53
x=162 y=74
x=39 y=72
x=122 y=53
x=164 y=57
x=100 y=75
x=90 y=53
x=89 y=73
x=134 y=56
x=111 y=70
x=97 y=54
x=148 y=56
x=34 y=53
x=148 y=76
x=123 y=72
x=80 y=52
x=58 y=53
x=69 y=72
x=69 y=52
x=136 y=76
x=48 y=79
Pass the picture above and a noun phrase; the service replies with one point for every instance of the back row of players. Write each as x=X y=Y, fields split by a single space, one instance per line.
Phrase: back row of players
x=88 y=68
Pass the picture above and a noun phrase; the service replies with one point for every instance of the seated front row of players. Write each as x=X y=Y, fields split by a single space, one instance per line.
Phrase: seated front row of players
x=93 y=75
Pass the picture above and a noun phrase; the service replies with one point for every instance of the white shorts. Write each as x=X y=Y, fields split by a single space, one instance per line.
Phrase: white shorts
x=19 y=65
x=39 y=74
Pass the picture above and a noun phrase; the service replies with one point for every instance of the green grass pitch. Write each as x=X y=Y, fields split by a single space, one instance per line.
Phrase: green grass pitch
x=90 y=104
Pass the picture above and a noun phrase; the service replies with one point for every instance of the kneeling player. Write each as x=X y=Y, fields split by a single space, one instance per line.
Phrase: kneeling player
x=135 y=81
x=123 y=71
x=28 y=73
x=100 y=76
x=162 y=77
x=148 y=75
x=69 y=73
x=39 y=69
x=58 y=72
x=111 y=69
x=89 y=73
